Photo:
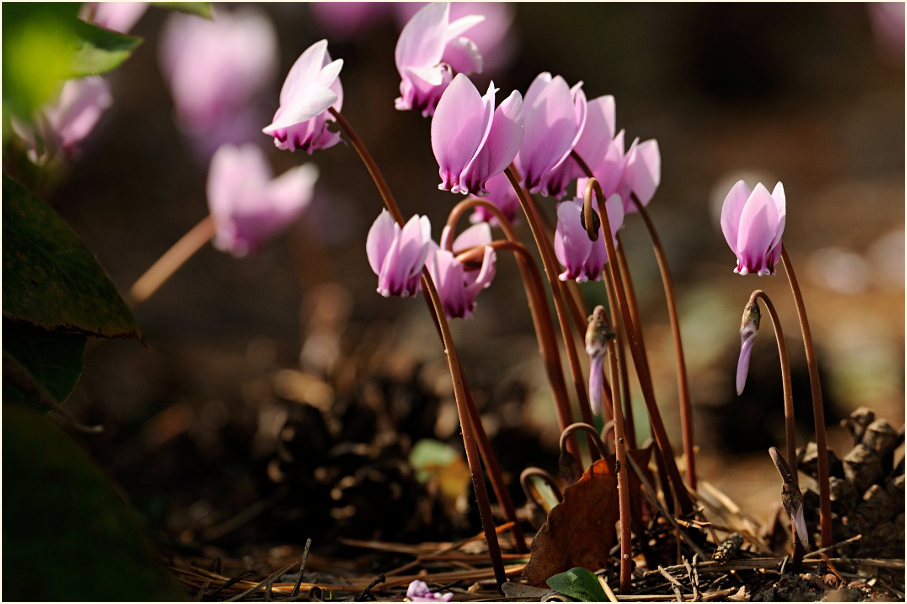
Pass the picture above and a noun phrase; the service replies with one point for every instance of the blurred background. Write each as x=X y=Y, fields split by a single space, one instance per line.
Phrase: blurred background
x=213 y=416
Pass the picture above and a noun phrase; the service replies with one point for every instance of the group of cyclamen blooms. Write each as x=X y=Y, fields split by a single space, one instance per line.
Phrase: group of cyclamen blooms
x=474 y=142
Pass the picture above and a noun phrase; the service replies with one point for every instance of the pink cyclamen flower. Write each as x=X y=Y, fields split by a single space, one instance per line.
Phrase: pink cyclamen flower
x=635 y=172
x=749 y=327
x=217 y=71
x=397 y=255
x=501 y=194
x=554 y=116
x=457 y=284
x=311 y=88
x=247 y=204
x=116 y=16
x=61 y=125
x=418 y=592
x=430 y=52
x=472 y=140
x=582 y=258
x=753 y=223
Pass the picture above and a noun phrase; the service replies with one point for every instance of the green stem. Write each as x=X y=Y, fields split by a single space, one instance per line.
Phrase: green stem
x=818 y=409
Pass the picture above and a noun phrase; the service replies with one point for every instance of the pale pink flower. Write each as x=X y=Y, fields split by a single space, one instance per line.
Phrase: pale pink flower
x=217 y=71
x=592 y=145
x=636 y=171
x=553 y=116
x=61 y=125
x=431 y=50
x=753 y=223
x=418 y=592
x=346 y=20
x=457 y=284
x=311 y=88
x=248 y=205
x=472 y=140
x=397 y=255
x=582 y=258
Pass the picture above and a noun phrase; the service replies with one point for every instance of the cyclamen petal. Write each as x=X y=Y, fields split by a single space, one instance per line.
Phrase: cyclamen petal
x=642 y=174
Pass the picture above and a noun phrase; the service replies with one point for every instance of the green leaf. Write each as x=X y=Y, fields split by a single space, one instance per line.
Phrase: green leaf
x=50 y=278
x=202 y=9
x=579 y=584
x=439 y=462
x=67 y=534
x=38 y=48
x=100 y=50
x=47 y=358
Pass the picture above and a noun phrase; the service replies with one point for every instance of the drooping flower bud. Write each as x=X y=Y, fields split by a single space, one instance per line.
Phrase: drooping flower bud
x=749 y=327
x=598 y=334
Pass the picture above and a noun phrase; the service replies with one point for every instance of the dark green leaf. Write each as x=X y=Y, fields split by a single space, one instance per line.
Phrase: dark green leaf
x=202 y=9
x=67 y=535
x=52 y=360
x=50 y=278
x=579 y=584
x=99 y=50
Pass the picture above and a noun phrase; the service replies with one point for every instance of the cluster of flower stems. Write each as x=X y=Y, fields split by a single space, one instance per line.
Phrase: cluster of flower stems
x=623 y=321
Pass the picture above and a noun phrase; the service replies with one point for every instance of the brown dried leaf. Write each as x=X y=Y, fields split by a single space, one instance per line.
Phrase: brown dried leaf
x=580 y=530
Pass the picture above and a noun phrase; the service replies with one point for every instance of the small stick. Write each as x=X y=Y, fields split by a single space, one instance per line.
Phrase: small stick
x=366 y=593
x=305 y=556
x=822 y=550
x=608 y=591
x=675 y=584
x=268 y=581
x=693 y=581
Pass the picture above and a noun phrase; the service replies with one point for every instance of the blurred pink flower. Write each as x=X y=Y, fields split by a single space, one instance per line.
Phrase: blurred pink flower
x=753 y=223
x=247 y=204
x=397 y=255
x=61 y=125
x=458 y=285
x=582 y=258
x=887 y=19
x=311 y=88
x=430 y=52
x=116 y=16
x=418 y=592
x=554 y=115
x=501 y=194
x=472 y=140
x=494 y=36
x=346 y=20
x=217 y=71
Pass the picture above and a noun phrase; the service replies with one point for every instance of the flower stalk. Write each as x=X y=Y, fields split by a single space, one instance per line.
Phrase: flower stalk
x=818 y=409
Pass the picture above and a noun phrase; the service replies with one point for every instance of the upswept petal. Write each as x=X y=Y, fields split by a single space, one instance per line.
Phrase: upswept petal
x=423 y=37
x=571 y=242
x=475 y=235
x=599 y=130
x=460 y=26
x=501 y=145
x=642 y=173
x=380 y=237
x=302 y=108
x=305 y=70
x=731 y=210
x=459 y=125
